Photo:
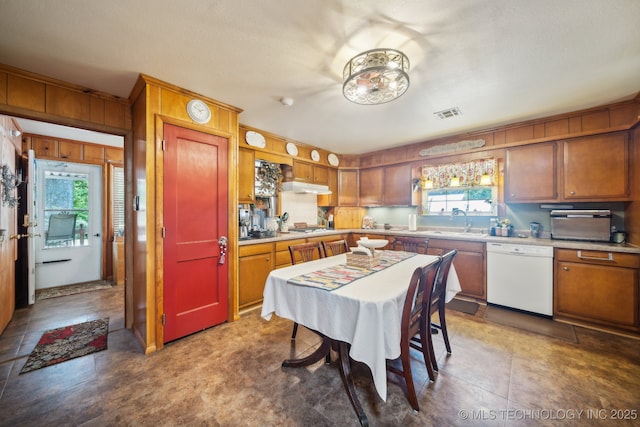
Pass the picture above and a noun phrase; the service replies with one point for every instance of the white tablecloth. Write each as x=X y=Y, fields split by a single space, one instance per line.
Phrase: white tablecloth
x=365 y=313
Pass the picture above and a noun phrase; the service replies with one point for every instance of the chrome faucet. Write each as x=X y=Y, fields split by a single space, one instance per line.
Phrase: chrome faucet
x=467 y=222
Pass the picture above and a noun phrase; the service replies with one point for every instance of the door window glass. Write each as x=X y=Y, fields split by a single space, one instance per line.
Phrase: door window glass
x=66 y=209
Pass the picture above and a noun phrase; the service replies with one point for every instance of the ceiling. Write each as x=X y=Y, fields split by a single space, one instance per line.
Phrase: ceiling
x=498 y=61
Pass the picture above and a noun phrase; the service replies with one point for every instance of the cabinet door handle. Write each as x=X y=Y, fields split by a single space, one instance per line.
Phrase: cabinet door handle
x=595 y=258
x=565 y=268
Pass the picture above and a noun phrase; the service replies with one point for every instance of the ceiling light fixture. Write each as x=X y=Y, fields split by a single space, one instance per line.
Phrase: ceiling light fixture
x=376 y=76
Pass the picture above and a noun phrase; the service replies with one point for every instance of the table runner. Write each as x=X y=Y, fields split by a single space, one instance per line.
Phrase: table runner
x=335 y=277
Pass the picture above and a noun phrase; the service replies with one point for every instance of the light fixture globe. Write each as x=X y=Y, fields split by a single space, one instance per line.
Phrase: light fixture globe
x=376 y=76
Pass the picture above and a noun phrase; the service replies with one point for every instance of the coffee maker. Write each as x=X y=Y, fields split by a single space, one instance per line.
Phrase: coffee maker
x=244 y=215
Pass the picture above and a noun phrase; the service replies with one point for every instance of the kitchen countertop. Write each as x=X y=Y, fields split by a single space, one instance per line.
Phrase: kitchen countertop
x=457 y=234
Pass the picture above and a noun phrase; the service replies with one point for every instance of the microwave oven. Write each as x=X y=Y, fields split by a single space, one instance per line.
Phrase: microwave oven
x=581 y=224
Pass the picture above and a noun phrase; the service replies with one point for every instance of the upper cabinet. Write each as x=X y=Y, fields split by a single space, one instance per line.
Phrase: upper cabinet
x=371 y=186
x=586 y=169
x=530 y=173
x=597 y=167
x=332 y=182
x=308 y=172
x=386 y=186
x=246 y=172
x=348 y=187
x=397 y=185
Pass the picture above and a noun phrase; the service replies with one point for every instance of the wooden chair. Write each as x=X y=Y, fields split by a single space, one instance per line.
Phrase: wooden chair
x=304 y=252
x=433 y=302
x=410 y=244
x=336 y=247
x=421 y=280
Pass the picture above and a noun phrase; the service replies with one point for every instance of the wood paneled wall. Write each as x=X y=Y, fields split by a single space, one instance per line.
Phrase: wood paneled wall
x=155 y=103
x=30 y=95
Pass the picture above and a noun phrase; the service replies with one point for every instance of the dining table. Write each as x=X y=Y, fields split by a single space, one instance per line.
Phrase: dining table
x=356 y=310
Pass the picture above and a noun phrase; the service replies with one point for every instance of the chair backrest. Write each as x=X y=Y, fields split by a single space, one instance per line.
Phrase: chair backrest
x=420 y=282
x=305 y=252
x=410 y=244
x=437 y=296
x=336 y=247
x=61 y=227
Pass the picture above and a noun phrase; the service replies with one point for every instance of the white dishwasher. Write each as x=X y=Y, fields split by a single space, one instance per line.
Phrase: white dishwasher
x=521 y=277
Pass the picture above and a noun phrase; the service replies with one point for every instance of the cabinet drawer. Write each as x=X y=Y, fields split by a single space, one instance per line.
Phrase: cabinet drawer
x=460 y=245
x=614 y=259
x=283 y=258
x=260 y=248
x=284 y=245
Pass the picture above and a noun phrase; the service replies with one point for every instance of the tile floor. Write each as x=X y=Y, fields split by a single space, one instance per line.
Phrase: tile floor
x=230 y=375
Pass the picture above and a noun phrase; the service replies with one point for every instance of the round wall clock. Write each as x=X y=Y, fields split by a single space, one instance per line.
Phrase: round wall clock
x=198 y=111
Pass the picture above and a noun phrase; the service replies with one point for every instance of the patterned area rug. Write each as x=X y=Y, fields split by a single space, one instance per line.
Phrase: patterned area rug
x=66 y=343
x=77 y=288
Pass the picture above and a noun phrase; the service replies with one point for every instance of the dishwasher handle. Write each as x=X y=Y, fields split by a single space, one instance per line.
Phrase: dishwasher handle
x=595 y=258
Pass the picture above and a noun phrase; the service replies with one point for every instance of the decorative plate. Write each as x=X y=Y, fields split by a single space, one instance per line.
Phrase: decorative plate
x=315 y=156
x=368 y=222
x=333 y=159
x=255 y=139
x=292 y=149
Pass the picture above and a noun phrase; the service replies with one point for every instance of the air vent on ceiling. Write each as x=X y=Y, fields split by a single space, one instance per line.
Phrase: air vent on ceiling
x=451 y=112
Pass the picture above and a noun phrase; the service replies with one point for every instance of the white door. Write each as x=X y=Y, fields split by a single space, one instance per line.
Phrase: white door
x=69 y=211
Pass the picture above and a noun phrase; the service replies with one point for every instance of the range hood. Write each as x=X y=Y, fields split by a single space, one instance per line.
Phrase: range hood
x=305 y=187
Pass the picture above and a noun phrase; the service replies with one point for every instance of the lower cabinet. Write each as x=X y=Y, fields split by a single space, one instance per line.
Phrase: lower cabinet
x=469 y=264
x=597 y=287
x=255 y=262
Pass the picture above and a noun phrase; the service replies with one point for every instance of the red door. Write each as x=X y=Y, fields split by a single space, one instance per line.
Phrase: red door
x=195 y=217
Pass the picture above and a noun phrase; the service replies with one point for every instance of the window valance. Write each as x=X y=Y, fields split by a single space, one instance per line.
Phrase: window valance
x=466 y=174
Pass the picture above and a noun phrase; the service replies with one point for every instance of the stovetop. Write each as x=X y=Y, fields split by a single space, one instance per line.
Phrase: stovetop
x=307 y=229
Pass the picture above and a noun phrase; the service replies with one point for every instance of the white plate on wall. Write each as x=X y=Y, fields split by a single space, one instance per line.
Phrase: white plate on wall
x=255 y=139
x=315 y=156
x=333 y=159
x=292 y=149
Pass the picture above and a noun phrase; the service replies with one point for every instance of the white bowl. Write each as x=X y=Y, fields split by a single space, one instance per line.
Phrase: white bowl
x=373 y=243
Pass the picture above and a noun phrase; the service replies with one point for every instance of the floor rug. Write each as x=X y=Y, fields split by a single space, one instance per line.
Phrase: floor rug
x=531 y=323
x=77 y=288
x=66 y=343
x=468 y=307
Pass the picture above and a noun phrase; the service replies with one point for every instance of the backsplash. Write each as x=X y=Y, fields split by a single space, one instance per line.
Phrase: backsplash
x=519 y=214
x=302 y=207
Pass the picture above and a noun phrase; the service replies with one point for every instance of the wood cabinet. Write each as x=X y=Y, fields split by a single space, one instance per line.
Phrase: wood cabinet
x=386 y=186
x=44 y=147
x=332 y=182
x=308 y=172
x=371 y=186
x=397 y=185
x=302 y=171
x=596 y=167
x=70 y=150
x=246 y=173
x=348 y=187
x=530 y=173
x=597 y=287
x=585 y=169
x=469 y=264
x=255 y=262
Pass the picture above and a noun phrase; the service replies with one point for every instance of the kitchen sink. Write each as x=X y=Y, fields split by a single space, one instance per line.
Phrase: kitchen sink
x=457 y=233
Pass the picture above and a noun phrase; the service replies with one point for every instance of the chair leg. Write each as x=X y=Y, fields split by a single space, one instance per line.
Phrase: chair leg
x=408 y=378
x=443 y=326
x=295 y=331
x=427 y=348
